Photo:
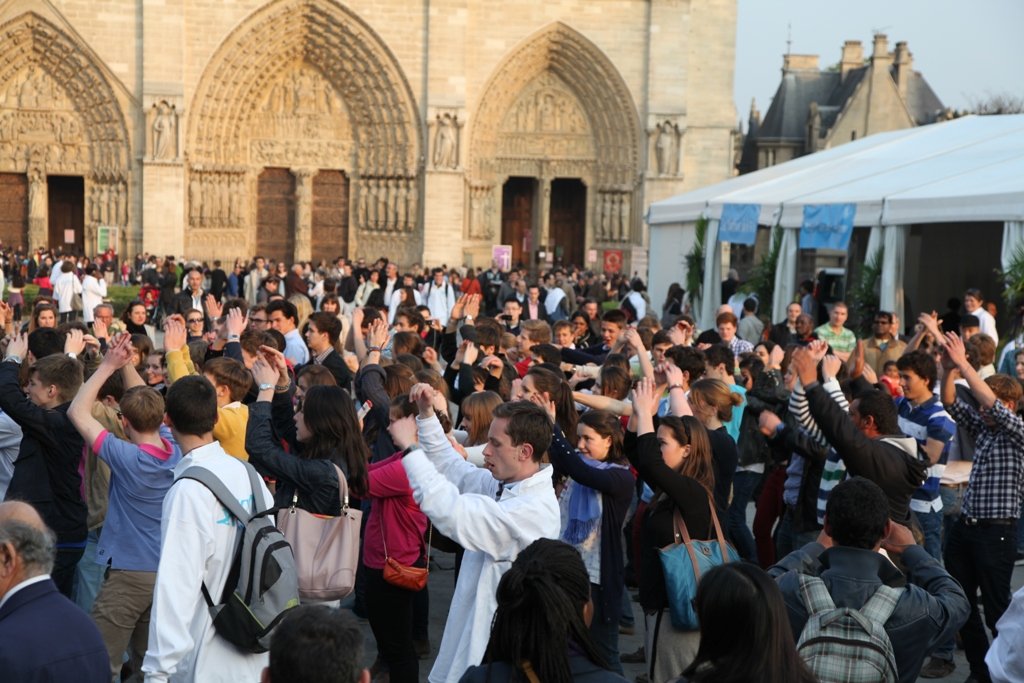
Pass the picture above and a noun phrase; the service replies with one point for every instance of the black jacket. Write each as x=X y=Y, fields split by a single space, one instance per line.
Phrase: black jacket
x=582 y=669
x=315 y=480
x=46 y=471
x=336 y=364
x=895 y=471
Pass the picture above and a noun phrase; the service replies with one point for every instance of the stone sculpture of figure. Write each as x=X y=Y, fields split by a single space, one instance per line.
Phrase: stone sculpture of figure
x=363 y=218
x=382 y=204
x=104 y=206
x=410 y=202
x=194 y=199
x=445 y=147
x=163 y=132
x=120 y=215
x=36 y=194
x=664 y=147
x=624 y=217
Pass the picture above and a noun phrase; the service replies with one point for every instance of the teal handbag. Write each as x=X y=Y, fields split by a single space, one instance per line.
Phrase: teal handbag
x=684 y=562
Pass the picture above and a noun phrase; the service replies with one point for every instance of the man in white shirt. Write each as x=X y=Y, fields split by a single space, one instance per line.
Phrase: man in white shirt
x=439 y=296
x=493 y=512
x=198 y=539
x=284 y=317
x=974 y=305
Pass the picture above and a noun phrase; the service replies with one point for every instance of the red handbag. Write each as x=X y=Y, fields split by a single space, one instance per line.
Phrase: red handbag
x=403 y=576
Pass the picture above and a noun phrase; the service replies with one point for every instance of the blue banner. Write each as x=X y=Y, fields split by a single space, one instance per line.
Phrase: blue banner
x=827 y=226
x=738 y=223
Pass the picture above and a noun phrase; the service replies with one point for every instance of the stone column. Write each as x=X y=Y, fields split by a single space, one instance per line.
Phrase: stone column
x=303 y=213
x=38 y=210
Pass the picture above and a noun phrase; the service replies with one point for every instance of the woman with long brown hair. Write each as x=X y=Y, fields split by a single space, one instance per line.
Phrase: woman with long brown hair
x=712 y=402
x=675 y=461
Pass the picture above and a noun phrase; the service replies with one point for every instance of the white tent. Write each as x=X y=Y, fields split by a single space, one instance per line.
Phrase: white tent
x=968 y=169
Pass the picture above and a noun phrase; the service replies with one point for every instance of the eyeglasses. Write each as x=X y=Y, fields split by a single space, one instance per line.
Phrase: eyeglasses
x=194 y=320
x=259 y=321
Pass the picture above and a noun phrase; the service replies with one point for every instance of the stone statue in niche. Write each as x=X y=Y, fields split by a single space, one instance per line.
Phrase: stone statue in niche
x=164 y=131
x=446 y=141
x=36 y=193
x=120 y=215
x=665 y=148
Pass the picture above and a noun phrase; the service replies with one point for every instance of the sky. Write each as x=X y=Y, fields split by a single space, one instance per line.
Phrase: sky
x=965 y=49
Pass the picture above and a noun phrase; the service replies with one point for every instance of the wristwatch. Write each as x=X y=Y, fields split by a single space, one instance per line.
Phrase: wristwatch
x=265 y=386
x=71 y=354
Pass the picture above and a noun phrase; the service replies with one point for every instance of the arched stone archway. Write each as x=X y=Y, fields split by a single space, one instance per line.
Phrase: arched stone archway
x=60 y=116
x=556 y=108
x=304 y=86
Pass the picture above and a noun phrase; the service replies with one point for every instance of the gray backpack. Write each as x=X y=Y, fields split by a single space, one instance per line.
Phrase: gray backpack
x=263 y=583
x=846 y=645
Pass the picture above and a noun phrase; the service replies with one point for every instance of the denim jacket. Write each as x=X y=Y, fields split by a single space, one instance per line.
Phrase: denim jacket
x=933 y=605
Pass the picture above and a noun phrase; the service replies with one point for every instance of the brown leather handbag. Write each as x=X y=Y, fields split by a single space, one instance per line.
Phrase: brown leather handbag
x=404 y=576
x=326 y=548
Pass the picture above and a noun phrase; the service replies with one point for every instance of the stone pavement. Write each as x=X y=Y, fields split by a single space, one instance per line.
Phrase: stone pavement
x=441 y=587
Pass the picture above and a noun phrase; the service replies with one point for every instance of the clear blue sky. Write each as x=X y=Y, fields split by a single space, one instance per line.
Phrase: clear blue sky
x=966 y=49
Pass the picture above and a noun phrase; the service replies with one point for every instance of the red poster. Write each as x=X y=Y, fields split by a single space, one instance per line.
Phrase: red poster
x=613 y=260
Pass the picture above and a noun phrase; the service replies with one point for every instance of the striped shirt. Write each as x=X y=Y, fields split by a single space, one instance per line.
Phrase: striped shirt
x=997 y=476
x=834 y=470
x=929 y=420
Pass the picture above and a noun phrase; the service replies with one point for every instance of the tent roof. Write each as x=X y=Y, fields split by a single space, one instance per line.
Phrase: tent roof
x=968 y=169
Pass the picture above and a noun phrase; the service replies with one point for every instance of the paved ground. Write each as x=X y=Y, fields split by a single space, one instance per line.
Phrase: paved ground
x=441 y=589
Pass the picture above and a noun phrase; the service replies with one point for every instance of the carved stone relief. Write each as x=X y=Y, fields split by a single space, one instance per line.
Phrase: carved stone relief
x=546 y=121
x=481 y=212
x=387 y=205
x=665 y=141
x=39 y=122
x=216 y=197
x=612 y=216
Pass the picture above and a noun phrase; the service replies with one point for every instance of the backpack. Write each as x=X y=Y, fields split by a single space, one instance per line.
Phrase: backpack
x=846 y=645
x=263 y=583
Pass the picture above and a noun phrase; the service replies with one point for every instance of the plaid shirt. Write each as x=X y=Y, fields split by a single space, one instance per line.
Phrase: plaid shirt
x=997 y=476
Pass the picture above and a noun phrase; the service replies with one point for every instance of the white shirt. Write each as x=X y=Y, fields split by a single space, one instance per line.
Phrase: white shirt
x=198 y=537
x=459 y=498
x=987 y=323
x=295 y=348
x=93 y=291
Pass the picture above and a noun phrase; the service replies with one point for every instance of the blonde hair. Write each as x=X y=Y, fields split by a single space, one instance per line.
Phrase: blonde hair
x=716 y=394
x=303 y=308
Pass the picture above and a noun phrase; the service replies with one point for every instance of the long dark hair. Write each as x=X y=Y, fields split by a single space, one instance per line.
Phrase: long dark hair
x=608 y=426
x=547 y=380
x=334 y=433
x=541 y=599
x=737 y=605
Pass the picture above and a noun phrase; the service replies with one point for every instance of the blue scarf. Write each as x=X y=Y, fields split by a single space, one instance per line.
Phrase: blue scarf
x=584 y=506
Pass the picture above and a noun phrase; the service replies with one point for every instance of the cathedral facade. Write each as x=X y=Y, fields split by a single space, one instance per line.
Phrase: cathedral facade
x=423 y=131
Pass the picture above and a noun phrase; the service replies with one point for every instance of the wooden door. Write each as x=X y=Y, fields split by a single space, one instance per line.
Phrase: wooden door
x=568 y=220
x=517 y=228
x=275 y=215
x=14 y=210
x=330 y=216
x=66 y=205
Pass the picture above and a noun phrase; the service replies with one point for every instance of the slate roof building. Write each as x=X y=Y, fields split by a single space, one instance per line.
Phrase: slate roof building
x=815 y=109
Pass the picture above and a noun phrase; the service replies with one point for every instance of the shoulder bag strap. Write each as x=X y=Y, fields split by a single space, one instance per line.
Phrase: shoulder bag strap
x=342 y=489
x=528 y=671
x=682 y=535
x=815 y=595
x=718 y=531
x=881 y=605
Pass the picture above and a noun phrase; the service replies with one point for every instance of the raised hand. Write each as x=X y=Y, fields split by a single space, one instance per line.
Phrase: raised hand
x=235 y=322
x=277 y=361
x=473 y=306
x=403 y=432
x=423 y=396
x=100 y=330
x=214 y=308
x=768 y=422
x=17 y=347
x=119 y=352
x=459 y=309
x=643 y=398
x=955 y=350
x=74 y=341
x=377 y=334
x=830 y=366
x=174 y=334
x=818 y=349
x=263 y=372
x=430 y=355
x=472 y=352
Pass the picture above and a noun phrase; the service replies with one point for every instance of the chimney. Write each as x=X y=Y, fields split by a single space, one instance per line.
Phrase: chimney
x=800 y=62
x=853 y=57
x=904 y=68
x=880 y=51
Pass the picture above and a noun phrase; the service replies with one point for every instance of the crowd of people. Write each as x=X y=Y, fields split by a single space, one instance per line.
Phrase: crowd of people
x=556 y=434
